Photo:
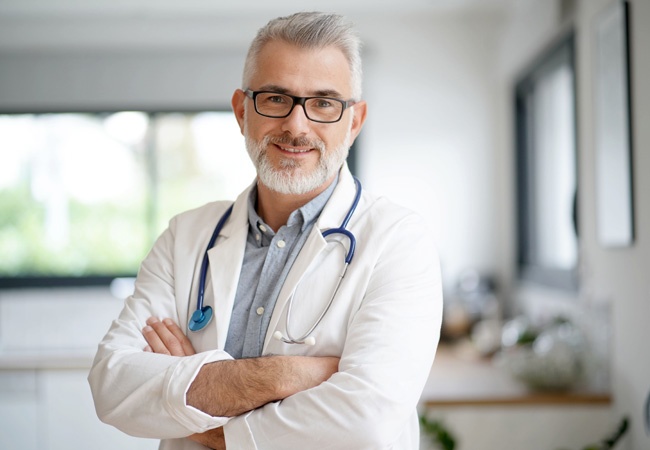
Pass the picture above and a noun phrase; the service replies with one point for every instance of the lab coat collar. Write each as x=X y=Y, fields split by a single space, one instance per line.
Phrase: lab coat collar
x=331 y=217
x=226 y=258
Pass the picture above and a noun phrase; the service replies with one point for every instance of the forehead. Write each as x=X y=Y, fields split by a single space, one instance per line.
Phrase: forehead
x=302 y=71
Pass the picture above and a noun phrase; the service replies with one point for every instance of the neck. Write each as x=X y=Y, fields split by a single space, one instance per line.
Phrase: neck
x=275 y=208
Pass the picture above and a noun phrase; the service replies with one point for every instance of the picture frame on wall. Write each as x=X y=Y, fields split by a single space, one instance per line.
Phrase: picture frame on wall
x=613 y=127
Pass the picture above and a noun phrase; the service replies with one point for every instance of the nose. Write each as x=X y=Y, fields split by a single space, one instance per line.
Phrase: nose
x=296 y=122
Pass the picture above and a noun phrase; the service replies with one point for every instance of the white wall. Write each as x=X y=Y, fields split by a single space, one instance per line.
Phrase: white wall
x=430 y=137
x=621 y=275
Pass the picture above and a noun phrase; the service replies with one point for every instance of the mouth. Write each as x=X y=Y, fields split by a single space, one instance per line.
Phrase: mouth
x=294 y=150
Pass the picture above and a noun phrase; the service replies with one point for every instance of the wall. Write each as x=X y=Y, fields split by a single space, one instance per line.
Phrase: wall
x=430 y=137
x=621 y=275
x=615 y=279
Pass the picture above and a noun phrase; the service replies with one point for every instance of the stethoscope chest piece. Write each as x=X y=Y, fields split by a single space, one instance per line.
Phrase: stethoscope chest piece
x=200 y=318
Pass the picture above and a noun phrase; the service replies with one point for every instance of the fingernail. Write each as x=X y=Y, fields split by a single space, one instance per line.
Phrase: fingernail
x=147 y=329
x=168 y=321
x=152 y=320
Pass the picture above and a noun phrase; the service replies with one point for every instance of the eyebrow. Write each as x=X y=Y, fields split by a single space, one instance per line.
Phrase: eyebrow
x=333 y=93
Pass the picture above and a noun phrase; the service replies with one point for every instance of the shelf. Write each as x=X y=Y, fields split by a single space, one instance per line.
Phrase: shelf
x=460 y=377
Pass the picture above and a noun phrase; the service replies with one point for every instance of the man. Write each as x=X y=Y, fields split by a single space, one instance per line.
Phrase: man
x=249 y=379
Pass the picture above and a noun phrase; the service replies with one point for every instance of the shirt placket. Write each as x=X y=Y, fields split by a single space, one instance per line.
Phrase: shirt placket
x=276 y=257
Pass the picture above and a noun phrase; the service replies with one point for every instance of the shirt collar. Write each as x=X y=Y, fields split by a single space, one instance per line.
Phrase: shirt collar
x=303 y=216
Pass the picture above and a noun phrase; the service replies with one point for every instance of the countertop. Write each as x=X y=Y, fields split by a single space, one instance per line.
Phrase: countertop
x=461 y=377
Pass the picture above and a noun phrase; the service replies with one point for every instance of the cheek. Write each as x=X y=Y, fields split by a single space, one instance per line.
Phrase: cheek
x=254 y=127
x=338 y=136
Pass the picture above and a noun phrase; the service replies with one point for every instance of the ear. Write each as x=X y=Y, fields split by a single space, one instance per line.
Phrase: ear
x=359 y=117
x=237 y=102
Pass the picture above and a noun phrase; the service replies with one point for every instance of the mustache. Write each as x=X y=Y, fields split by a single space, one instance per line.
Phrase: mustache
x=287 y=139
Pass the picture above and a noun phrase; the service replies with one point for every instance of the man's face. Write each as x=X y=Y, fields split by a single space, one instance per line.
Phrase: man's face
x=295 y=155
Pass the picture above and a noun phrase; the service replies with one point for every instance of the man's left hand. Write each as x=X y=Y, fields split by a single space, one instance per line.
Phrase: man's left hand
x=165 y=337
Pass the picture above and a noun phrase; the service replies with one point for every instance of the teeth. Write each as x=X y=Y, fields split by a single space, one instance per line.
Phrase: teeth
x=293 y=150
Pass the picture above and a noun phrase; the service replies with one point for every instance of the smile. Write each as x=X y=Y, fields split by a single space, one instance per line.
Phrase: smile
x=294 y=150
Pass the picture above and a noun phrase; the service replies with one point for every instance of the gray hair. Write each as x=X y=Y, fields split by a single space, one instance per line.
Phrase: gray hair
x=310 y=30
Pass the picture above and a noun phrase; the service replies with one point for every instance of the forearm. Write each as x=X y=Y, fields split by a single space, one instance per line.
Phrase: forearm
x=143 y=394
x=231 y=388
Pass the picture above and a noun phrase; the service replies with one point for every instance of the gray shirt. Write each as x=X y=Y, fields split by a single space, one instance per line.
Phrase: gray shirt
x=267 y=260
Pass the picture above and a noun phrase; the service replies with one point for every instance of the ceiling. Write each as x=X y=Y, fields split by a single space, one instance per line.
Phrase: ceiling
x=75 y=8
x=61 y=25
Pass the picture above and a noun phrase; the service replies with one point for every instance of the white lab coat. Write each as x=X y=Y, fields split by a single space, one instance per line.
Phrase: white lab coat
x=384 y=324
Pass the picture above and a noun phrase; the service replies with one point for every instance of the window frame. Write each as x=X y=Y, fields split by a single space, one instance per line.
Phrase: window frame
x=560 y=52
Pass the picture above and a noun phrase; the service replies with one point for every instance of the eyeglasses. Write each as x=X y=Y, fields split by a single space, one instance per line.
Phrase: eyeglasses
x=317 y=109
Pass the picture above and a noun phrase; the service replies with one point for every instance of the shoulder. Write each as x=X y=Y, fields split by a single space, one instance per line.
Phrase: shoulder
x=387 y=214
x=206 y=214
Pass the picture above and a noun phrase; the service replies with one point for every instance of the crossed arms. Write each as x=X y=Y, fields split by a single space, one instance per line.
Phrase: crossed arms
x=232 y=387
x=386 y=336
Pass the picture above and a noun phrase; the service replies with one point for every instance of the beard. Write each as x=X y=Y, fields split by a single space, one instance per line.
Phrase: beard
x=291 y=177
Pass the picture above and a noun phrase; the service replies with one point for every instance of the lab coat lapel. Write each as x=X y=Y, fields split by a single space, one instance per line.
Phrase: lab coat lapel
x=226 y=258
x=331 y=217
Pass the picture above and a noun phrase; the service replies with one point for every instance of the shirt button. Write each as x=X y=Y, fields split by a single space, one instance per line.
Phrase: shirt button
x=258 y=237
x=263 y=228
x=260 y=311
x=281 y=243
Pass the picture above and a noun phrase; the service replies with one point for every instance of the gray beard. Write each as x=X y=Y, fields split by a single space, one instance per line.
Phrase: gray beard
x=291 y=178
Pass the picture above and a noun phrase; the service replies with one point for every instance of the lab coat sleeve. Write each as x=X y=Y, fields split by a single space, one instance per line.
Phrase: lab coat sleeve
x=390 y=346
x=142 y=393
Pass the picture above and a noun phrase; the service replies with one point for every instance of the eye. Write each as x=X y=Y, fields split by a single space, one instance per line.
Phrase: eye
x=278 y=99
x=323 y=103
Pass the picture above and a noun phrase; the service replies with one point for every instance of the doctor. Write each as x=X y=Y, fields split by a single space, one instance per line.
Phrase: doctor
x=285 y=354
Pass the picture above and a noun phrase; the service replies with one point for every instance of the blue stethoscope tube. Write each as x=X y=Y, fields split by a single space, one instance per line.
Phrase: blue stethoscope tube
x=203 y=314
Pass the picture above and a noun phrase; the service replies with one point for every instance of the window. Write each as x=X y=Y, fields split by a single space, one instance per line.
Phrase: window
x=84 y=195
x=546 y=170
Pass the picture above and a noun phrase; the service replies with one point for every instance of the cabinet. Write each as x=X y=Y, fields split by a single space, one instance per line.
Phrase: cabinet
x=53 y=410
x=484 y=409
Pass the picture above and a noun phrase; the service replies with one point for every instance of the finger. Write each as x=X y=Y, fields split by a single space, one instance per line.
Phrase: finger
x=171 y=343
x=186 y=344
x=156 y=345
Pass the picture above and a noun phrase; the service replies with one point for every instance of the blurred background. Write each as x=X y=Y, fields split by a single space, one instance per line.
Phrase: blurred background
x=516 y=128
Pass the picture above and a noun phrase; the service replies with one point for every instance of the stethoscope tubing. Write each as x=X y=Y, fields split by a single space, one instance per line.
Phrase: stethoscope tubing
x=203 y=314
x=205 y=263
x=302 y=339
x=289 y=339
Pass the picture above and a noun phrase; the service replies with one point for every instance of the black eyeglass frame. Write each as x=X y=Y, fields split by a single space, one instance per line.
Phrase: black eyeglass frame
x=299 y=101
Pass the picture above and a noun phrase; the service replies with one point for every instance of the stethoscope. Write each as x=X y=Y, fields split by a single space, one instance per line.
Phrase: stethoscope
x=203 y=314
